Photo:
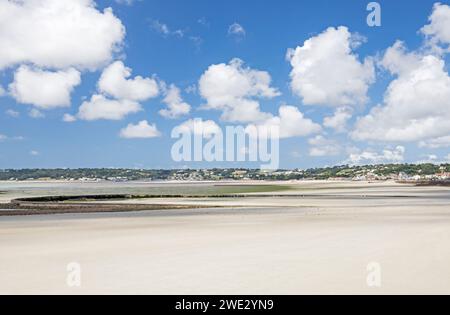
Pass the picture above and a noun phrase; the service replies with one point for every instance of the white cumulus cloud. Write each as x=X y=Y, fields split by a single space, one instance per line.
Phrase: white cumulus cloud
x=326 y=71
x=142 y=130
x=115 y=81
x=44 y=89
x=100 y=107
x=200 y=127
x=235 y=90
x=69 y=118
x=339 y=120
x=438 y=31
x=176 y=107
x=321 y=146
x=435 y=143
x=58 y=34
x=290 y=122
x=416 y=104
x=368 y=156
x=118 y=94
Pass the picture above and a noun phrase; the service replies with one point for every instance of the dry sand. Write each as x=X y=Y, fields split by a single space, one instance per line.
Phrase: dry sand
x=292 y=245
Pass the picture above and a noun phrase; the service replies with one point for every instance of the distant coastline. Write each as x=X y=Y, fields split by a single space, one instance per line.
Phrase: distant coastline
x=399 y=172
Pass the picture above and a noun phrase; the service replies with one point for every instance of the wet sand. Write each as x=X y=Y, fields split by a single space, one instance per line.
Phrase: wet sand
x=289 y=245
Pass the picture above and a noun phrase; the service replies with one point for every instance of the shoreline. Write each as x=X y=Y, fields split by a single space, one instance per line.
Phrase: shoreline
x=271 y=242
x=47 y=205
x=100 y=198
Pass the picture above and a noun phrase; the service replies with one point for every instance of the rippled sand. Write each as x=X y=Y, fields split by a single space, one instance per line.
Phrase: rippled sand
x=322 y=242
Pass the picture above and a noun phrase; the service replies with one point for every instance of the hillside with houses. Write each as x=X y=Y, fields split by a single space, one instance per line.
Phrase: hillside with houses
x=382 y=172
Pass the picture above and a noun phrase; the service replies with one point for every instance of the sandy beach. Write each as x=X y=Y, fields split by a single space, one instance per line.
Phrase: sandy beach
x=318 y=238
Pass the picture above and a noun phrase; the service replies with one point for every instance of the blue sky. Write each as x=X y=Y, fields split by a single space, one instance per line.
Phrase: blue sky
x=175 y=42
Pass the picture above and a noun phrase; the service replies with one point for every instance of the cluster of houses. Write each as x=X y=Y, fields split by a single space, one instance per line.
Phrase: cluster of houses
x=364 y=173
x=402 y=177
